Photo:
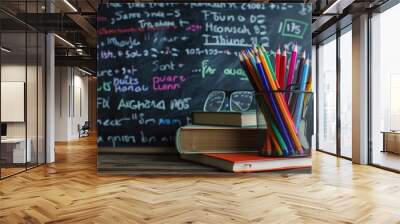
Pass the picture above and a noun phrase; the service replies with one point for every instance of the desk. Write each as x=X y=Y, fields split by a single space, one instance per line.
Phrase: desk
x=14 y=150
x=391 y=141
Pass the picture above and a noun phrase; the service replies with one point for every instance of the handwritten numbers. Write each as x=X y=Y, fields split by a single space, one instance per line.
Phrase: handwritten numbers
x=293 y=28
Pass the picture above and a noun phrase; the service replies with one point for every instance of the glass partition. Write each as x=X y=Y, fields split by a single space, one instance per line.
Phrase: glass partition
x=346 y=93
x=327 y=96
x=41 y=97
x=32 y=97
x=14 y=145
x=22 y=77
x=385 y=89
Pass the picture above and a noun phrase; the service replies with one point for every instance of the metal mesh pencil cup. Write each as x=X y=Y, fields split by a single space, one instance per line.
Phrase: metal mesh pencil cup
x=288 y=117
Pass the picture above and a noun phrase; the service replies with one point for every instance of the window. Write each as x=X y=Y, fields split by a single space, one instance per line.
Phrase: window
x=327 y=96
x=346 y=93
x=385 y=89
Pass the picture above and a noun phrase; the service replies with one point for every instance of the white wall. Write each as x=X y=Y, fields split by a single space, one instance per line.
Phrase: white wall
x=33 y=127
x=12 y=73
x=71 y=102
x=62 y=82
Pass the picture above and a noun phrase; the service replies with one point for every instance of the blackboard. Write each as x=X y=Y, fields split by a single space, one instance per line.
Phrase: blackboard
x=157 y=62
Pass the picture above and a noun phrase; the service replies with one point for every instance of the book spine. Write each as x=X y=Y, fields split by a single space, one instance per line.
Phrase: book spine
x=178 y=140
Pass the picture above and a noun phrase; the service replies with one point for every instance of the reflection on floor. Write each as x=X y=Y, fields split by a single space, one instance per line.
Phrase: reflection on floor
x=387 y=159
x=10 y=171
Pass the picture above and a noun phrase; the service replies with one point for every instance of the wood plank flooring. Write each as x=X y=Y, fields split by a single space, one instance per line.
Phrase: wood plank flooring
x=71 y=191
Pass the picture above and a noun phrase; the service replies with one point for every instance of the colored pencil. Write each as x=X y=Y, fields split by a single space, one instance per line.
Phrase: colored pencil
x=267 y=149
x=268 y=60
x=282 y=125
x=285 y=105
x=274 y=107
x=292 y=66
x=282 y=71
x=281 y=105
x=252 y=72
x=277 y=133
x=277 y=63
x=300 y=68
x=296 y=80
x=251 y=79
x=252 y=58
x=309 y=84
x=300 y=100
x=249 y=70
x=282 y=145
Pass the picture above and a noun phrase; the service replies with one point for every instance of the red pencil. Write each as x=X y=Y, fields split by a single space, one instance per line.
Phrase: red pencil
x=277 y=63
x=282 y=71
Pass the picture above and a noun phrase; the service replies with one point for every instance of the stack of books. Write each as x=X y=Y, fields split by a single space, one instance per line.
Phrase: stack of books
x=231 y=141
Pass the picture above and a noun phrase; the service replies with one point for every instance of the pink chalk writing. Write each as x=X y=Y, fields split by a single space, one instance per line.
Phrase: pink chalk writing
x=194 y=28
x=168 y=82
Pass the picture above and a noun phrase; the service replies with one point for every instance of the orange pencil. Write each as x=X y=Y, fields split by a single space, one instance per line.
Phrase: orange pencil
x=267 y=149
x=252 y=72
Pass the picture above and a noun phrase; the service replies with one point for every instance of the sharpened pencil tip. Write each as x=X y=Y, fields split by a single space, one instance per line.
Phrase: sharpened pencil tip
x=263 y=48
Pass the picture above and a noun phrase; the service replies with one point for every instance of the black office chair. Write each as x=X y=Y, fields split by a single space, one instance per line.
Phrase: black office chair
x=84 y=130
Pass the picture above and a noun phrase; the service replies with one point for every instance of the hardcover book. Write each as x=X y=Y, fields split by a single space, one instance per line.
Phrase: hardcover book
x=237 y=119
x=248 y=162
x=219 y=139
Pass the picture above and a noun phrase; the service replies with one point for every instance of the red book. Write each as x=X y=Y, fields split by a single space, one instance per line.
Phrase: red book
x=248 y=162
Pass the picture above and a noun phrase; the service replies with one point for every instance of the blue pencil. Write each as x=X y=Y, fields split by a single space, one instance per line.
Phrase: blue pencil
x=275 y=108
x=300 y=100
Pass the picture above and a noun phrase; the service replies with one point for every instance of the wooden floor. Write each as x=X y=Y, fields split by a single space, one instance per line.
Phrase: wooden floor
x=71 y=191
x=386 y=159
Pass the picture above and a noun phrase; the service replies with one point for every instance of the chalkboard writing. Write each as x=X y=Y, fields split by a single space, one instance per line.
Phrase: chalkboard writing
x=157 y=62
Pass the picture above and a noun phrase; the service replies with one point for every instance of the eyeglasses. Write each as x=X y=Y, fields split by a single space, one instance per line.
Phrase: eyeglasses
x=239 y=100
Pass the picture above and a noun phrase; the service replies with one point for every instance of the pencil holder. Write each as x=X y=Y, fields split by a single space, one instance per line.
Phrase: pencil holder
x=288 y=117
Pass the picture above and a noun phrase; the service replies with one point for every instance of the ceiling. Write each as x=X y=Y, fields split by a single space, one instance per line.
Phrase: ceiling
x=75 y=22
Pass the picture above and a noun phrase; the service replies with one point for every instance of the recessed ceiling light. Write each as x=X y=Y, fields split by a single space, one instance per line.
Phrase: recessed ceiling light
x=64 y=40
x=5 y=50
x=70 y=5
x=326 y=11
x=84 y=71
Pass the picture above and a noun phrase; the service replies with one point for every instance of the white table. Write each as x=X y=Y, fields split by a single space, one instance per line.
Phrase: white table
x=19 y=154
